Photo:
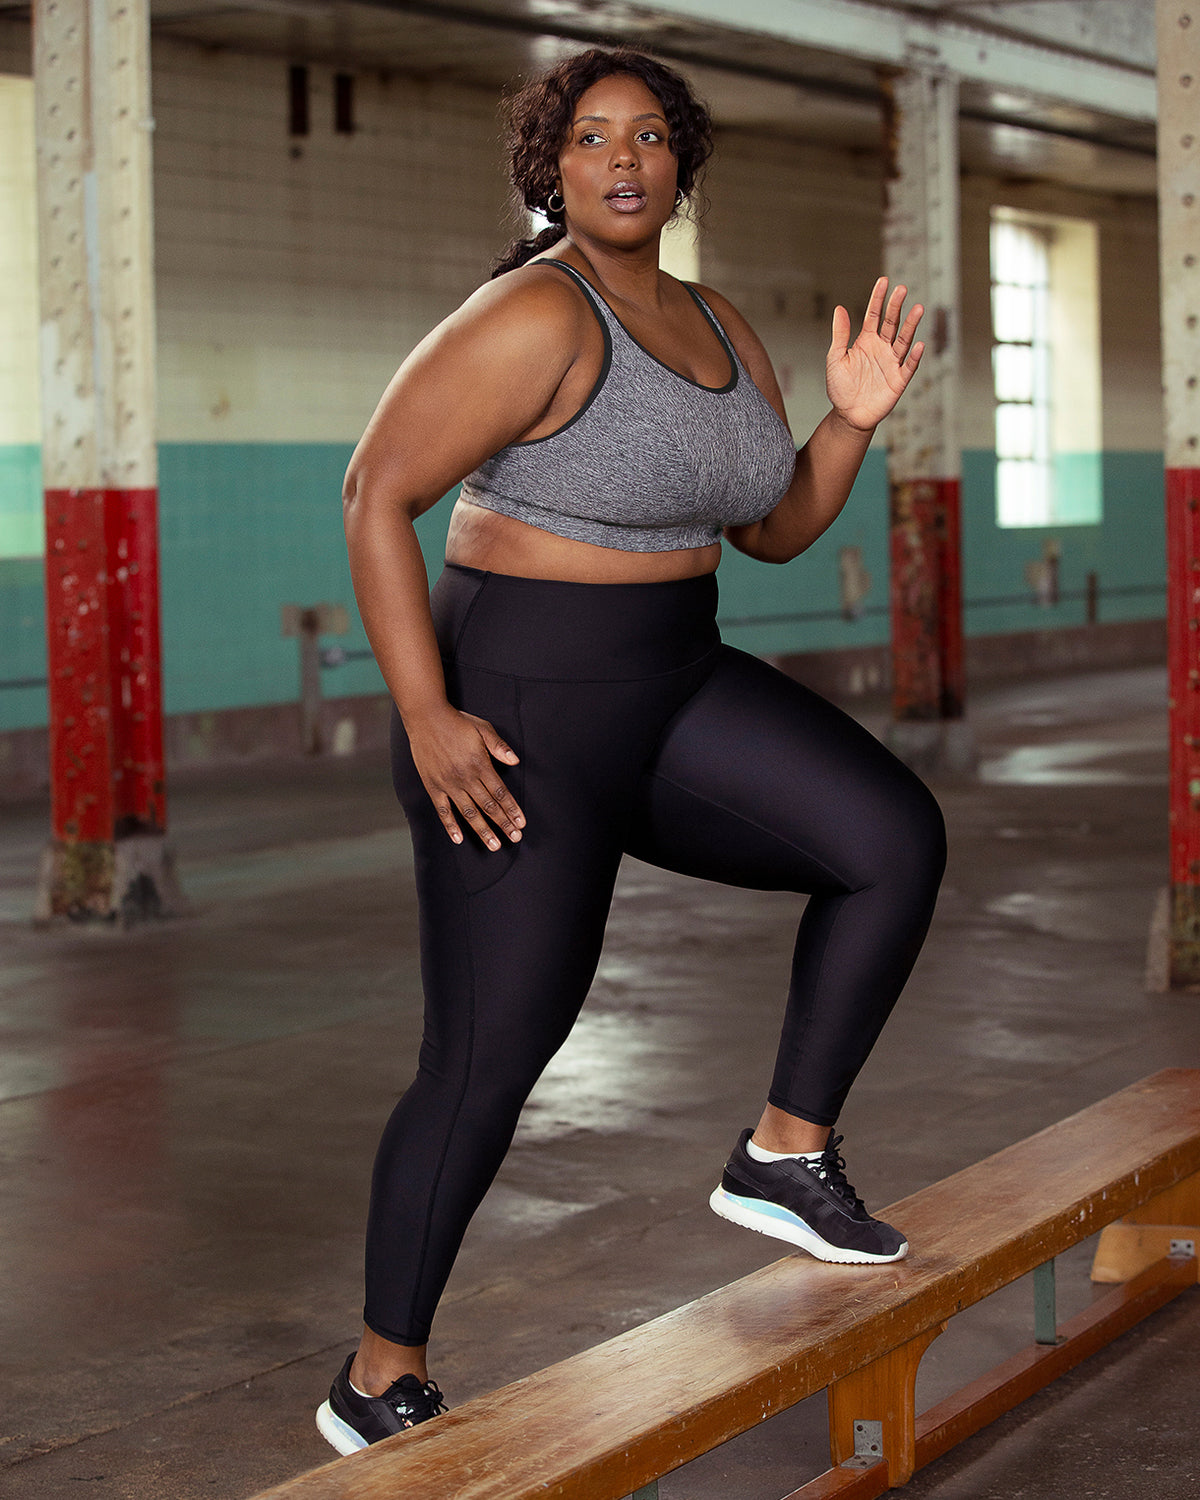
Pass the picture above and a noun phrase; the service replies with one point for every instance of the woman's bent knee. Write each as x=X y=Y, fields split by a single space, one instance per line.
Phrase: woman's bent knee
x=909 y=846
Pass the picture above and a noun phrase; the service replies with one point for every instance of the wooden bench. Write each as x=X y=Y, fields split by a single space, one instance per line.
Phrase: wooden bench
x=608 y=1422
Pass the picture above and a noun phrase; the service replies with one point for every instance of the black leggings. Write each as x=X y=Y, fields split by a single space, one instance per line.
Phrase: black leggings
x=638 y=732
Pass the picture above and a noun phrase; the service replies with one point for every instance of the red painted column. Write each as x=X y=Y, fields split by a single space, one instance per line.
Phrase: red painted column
x=924 y=462
x=1183 y=672
x=106 y=749
x=107 y=855
x=135 y=661
x=81 y=790
x=1179 y=254
x=928 y=683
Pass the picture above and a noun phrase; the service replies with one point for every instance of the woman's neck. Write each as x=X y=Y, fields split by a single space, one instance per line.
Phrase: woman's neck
x=629 y=276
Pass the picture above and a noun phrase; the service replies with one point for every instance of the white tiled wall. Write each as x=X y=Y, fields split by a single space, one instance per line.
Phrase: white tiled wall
x=792 y=231
x=795 y=229
x=295 y=274
x=19 y=411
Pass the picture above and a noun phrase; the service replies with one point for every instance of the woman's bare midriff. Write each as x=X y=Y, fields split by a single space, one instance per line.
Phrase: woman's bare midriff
x=494 y=543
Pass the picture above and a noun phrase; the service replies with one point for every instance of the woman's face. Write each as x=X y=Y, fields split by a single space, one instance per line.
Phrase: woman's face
x=617 y=170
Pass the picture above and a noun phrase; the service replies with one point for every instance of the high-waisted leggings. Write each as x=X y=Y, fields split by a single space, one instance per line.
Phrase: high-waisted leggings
x=638 y=732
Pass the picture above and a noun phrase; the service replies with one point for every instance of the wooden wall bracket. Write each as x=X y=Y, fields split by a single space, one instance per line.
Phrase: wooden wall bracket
x=1145 y=1235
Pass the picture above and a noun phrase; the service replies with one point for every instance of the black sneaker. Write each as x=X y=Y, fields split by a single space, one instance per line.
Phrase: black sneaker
x=809 y=1204
x=350 y=1421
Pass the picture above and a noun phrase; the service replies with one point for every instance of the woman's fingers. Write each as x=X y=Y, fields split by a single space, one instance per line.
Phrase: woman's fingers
x=890 y=321
x=875 y=306
x=485 y=808
x=498 y=805
x=491 y=796
x=442 y=806
x=902 y=343
x=488 y=808
x=496 y=747
x=884 y=313
x=478 y=824
x=456 y=763
x=840 y=338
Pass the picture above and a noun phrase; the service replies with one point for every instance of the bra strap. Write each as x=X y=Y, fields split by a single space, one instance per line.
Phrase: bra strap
x=597 y=304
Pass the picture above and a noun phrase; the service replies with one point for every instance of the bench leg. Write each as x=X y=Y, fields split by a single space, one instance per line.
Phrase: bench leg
x=885 y=1392
x=1160 y=1227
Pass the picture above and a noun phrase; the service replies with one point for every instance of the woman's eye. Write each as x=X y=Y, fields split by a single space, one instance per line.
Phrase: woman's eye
x=589 y=136
x=649 y=135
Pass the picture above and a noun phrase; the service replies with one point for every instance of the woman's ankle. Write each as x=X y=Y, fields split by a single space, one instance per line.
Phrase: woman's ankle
x=780 y=1132
x=379 y=1363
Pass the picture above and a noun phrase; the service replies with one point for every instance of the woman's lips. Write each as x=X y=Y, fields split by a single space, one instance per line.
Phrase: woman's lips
x=626 y=198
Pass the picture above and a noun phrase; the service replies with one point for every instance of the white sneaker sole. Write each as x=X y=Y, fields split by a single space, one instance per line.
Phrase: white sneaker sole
x=339 y=1433
x=767 y=1218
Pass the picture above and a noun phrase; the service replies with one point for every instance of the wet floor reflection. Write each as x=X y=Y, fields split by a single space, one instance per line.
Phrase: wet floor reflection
x=1080 y=763
x=100 y=1207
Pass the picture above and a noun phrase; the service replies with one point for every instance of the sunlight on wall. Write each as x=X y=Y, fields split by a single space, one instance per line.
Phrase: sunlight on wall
x=679 y=250
x=20 y=422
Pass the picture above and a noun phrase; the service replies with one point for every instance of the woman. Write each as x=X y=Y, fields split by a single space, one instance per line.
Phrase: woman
x=564 y=697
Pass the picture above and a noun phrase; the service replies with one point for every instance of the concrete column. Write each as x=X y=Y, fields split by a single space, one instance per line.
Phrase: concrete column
x=107 y=856
x=921 y=249
x=1179 y=238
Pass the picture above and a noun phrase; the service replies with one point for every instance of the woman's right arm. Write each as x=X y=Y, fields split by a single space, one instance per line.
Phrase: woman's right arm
x=478 y=382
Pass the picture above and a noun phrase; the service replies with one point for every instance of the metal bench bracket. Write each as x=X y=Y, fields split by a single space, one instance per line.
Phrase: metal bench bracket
x=1045 y=1305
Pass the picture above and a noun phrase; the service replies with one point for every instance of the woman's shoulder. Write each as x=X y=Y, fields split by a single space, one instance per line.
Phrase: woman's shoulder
x=535 y=301
x=526 y=321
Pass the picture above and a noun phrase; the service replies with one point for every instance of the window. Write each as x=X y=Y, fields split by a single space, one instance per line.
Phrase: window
x=21 y=524
x=1046 y=369
x=1021 y=372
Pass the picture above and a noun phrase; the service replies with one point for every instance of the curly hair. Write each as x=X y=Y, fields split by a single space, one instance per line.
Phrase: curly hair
x=538 y=121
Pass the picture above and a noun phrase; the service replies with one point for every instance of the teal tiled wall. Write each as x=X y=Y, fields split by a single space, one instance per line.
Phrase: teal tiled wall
x=1127 y=550
x=246 y=528
x=22 y=642
x=786 y=598
x=21 y=525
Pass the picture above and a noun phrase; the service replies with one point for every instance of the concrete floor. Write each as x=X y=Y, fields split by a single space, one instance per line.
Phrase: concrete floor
x=188 y=1113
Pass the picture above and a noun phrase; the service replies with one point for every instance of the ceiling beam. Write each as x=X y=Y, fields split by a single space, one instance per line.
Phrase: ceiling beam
x=903 y=38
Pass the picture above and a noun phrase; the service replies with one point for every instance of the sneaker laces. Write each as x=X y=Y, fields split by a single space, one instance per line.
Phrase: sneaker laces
x=831 y=1169
x=417 y=1403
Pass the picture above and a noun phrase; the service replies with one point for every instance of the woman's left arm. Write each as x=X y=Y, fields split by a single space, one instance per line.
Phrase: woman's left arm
x=864 y=380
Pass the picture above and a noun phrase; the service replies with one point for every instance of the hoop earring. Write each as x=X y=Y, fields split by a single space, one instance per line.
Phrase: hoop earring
x=680 y=197
x=556 y=208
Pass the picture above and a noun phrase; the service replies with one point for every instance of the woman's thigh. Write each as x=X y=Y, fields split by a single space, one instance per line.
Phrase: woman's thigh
x=510 y=939
x=757 y=781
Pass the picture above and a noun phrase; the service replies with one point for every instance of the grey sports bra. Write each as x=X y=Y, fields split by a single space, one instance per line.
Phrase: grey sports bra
x=652 y=461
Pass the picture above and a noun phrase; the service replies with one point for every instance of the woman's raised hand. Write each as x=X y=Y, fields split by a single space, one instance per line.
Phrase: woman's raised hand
x=865 y=379
x=453 y=753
